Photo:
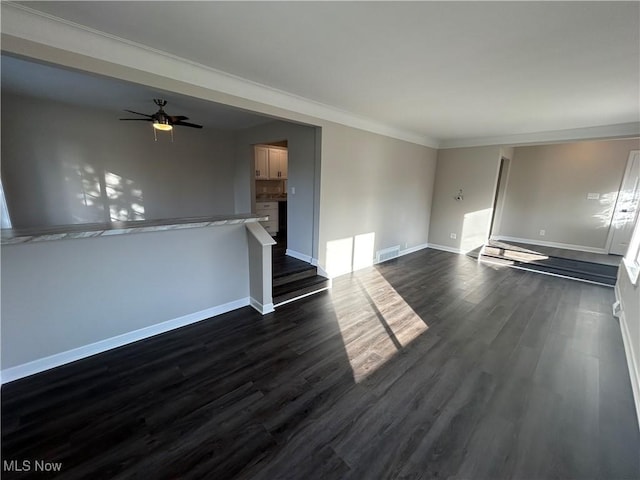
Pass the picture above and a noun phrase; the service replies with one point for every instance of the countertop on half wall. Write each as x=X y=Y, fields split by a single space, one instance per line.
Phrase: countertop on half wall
x=87 y=230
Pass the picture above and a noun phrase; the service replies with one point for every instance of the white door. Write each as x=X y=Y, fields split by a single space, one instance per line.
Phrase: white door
x=626 y=211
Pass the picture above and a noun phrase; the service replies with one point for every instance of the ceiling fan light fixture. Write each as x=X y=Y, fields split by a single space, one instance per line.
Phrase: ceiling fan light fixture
x=165 y=127
x=162 y=122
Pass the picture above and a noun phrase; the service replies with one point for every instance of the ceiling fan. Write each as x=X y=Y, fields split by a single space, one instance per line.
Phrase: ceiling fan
x=160 y=119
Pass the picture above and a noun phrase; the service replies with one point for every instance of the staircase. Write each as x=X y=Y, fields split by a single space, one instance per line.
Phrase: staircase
x=291 y=286
x=292 y=278
x=535 y=261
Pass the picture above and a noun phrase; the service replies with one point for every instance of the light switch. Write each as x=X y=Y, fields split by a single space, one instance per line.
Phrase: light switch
x=293 y=190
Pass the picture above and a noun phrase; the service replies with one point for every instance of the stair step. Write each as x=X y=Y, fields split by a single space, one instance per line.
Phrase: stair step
x=299 y=288
x=299 y=274
x=602 y=274
x=567 y=265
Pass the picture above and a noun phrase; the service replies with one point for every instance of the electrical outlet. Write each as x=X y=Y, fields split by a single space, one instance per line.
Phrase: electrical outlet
x=293 y=190
x=543 y=233
x=453 y=236
x=593 y=196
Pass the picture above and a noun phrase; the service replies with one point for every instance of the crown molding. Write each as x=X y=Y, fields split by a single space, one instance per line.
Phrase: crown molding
x=25 y=23
x=622 y=130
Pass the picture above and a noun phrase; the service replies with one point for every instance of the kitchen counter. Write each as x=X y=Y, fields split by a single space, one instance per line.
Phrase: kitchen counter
x=88 y=230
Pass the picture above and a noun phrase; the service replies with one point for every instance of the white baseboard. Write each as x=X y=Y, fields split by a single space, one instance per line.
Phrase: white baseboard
x=445 y=248
x=321 y=271
x=566 y=246
x=632 y=358
x=406 y=251
x=417 y=248
x=299 y=256
x=30 y=368
x=263 y=309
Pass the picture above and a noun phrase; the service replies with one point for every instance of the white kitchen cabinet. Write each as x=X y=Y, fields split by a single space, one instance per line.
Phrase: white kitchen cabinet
x=262 y=162
x=278 y=159
x=271 y=163
x=269 y=209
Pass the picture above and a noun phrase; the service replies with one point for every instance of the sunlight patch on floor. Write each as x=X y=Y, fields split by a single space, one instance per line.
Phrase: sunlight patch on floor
x=375 y=331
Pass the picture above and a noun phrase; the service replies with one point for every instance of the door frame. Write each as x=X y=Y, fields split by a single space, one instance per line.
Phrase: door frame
x=615 y=206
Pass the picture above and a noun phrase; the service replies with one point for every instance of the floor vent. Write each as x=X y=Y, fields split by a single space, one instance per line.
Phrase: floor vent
x=387 y=254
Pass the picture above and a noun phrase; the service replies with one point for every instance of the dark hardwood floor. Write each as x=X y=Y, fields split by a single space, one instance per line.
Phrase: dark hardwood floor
x=428 y=366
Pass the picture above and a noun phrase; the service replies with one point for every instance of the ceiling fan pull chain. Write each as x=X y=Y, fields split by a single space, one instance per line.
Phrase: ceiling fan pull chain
x=172 y=135
x=155 y=136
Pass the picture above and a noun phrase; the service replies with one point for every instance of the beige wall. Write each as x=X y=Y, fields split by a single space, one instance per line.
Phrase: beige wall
x=65 y=164
x=548 y=187
x=474 y=170
x=375 y=194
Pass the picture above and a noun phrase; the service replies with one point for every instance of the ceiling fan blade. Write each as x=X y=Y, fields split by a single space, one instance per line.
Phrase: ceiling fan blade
x=186 y=124
x=138 y=113
x=179 y=118
x=138 y=119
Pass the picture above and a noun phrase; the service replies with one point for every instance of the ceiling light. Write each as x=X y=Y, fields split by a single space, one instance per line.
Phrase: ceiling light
x=162 y=124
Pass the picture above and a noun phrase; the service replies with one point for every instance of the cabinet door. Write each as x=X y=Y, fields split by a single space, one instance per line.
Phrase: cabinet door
x=274 y=163
x=262 y=162
x=278 y=164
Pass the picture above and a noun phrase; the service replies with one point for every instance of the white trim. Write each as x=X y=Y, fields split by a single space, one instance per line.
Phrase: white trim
x=299 y=256
x=330 y=284
x=621 y=130
x=566 y=246
x=40 y=365
x=26 y=23
x=262 y=309
x=321 y=271
x=417 y=248
x=631 y=356
x=444 y=248
x=406 y=251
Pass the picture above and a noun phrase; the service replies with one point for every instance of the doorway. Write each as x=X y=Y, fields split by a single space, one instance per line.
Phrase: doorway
x=270 y=178
x=499 y=198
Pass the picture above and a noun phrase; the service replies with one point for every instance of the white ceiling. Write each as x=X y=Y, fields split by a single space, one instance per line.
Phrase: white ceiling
x=24 y=77
x=451 y=70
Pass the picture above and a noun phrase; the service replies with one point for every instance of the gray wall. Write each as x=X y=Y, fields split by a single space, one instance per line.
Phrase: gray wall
x=57 y=160
x=474 y=170
x=548 y=186
x=375 y=193
x=301 y=208
x=60 y=295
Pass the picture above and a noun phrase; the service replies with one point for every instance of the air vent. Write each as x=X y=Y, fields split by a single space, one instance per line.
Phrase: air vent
x=387 y=254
